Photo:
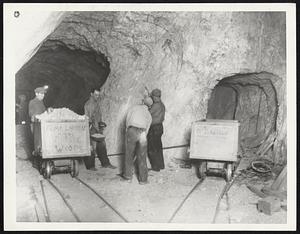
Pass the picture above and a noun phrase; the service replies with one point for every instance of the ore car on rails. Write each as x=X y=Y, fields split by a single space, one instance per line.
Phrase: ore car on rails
x=214 y=146
x=61 y=135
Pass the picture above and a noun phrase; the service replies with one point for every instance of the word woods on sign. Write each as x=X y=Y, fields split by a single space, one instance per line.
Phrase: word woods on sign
x=66 y=138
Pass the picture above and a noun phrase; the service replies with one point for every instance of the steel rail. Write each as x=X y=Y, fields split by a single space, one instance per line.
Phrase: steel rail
x=164 y=148
x=107 y=203
x=47 y=217
x=36 y=214
x=224 y=191
x=186 y=197
x=219 y=201
x=66 y=202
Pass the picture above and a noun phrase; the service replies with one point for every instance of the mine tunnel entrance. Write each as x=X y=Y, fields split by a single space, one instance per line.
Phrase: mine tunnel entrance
x=69 y=73
x=252 y=100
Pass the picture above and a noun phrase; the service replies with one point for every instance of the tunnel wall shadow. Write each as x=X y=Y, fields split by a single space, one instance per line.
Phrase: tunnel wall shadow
x=70 y=75
x=252 y=100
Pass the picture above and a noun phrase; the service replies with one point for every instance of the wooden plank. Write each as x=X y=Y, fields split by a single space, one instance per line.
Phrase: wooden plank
x=280 y=194
x=266 y=144
x=280 y=178
x=257 y=191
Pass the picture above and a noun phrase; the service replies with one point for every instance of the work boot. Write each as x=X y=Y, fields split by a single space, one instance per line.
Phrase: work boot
x=125 y=179
x=143 y=182
x=35 y=162
x=155 y=169
x=110 y=166
x=93 y=169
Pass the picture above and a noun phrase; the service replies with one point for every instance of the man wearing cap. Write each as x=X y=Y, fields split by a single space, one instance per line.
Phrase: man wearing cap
x=155 y=152
x=36 y=106
x=92 y=110
x=138 y=121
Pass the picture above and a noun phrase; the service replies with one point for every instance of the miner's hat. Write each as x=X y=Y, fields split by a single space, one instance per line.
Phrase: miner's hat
x=40 y=90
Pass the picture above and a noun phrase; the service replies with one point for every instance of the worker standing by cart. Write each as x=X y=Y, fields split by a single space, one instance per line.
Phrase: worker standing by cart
x=92 y=110
x=36 y=107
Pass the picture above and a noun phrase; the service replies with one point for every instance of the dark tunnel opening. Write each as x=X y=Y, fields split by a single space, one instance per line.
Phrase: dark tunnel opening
x=252 y=100
x=69 y=73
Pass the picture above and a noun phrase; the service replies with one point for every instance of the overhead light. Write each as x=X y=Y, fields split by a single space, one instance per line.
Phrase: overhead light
x=46 y=86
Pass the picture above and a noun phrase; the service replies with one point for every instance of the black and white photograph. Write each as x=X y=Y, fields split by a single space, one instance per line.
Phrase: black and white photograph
x=149 y=116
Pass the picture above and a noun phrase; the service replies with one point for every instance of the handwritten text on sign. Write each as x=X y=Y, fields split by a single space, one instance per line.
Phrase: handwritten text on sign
x=66 y=138
x=215 y=131
x=214 y=142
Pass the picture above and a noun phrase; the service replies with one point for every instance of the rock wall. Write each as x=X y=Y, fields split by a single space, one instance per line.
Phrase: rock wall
x=185 y=54
x=32 y=28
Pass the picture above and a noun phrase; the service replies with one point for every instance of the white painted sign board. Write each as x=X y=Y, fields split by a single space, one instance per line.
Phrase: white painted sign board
x=214 y=140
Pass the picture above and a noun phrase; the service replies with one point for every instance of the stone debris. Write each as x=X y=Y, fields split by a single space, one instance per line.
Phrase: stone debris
x=160 y=181
x=60 y=114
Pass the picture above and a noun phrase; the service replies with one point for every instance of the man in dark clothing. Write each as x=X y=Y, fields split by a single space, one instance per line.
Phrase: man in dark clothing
x=92 y=110
x=22 y=110
x=155 y=152
x=36 y=107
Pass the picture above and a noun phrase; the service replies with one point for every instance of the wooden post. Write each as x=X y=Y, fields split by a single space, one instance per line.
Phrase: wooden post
x=258 y=111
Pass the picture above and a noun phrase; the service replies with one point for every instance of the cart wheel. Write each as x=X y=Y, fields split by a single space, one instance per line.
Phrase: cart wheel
x=233 y=166
x=48 y=170
x=52 y=165
x=42 y=167
x=228 y=172
x=201 y=168
x=74 y=168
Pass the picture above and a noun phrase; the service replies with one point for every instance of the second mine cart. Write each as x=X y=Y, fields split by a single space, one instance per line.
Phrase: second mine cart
x=215 y=144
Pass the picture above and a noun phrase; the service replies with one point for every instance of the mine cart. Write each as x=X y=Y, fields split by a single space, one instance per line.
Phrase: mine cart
x=64 y=140
x=214 y=146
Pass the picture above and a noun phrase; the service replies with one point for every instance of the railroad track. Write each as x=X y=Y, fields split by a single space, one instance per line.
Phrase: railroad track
x=185 y=198
x=224 y=191
x=71 y=209
x=69 y=205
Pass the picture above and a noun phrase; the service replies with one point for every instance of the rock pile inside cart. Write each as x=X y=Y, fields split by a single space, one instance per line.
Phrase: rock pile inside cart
x=60 y=114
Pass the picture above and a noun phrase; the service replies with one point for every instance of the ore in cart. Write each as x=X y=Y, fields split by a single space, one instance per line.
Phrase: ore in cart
x=214 y=146
x=64 y=140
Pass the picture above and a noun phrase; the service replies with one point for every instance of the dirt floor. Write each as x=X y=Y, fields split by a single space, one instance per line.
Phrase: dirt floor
x=155 y=202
